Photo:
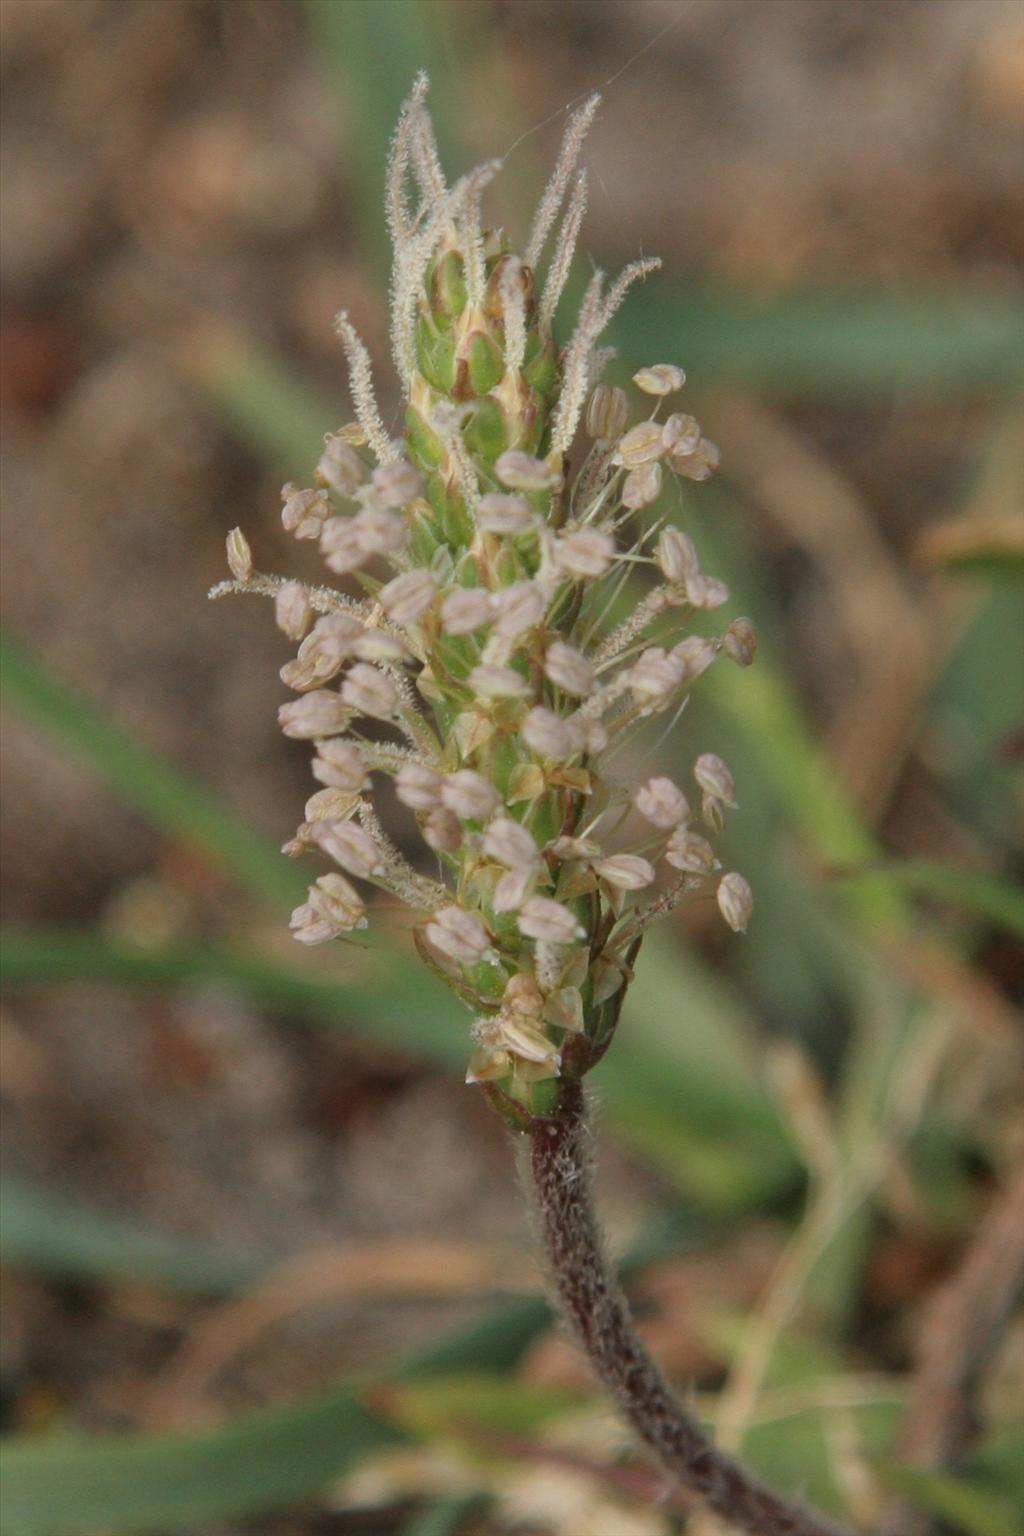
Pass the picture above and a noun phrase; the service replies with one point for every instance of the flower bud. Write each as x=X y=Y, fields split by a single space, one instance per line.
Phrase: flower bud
x=382 y=532
x=740 y=642
x=510 y=843
x=340 y=467
x=339 y=765
x=654 y=677
x=464 y=610
x=408 y=596
x=564 y=1009
x=418 y=787
x=569 y=669
x=714 y=778
x=735 y=901
x=584 y=552
x=469 y=795
x=442 y=830
x=321 y=713
x=334 y=907
x=239 y=555
x=492 y=682
x=699 y=463
x=522 y=472
x=458 y=934
x=567 y=848
x=548 y=734
x=487 y=1064
x=292 y=610
x=542 y=918
x=661 y=379
x=349 y=845
x=680 y=434
x=712 y=812
x=676 y=555
x=693 y=655
x=590 y=731
x=352 y=433
x=513 y=888
x=626 y=871
x=304 y=512
x=547 y=920
x=523 y=995
x=330 y=805
x=690 y=852
x=330 y=642
x=526 y=1041
x=662 y=803
x=641 y=445
x=343 y=544
x=371 y=693
x=706 y=591
x=607 y=412
x=378 y=645
x=307 y=672
x=496 y=513
x=517 y=608
x=396 y=484
x=641 y=487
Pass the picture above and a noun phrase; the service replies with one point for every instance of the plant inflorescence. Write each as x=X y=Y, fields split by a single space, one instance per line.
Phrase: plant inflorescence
x=508 y=640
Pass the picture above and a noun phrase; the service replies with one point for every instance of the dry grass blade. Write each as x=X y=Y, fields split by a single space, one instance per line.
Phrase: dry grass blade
x=962 y=1327
x=893 y=634
x=372 y=1270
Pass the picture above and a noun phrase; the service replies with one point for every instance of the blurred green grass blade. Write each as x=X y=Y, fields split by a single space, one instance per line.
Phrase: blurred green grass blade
x=796 y=1451
x=981 y=894
x=434 y=1407
x=371 y=54
x=138 y=1484
x=280 y=417
x=447 y=1517
x=52 y=1235
x=975 y=710
x=391 y=1004
x=960 y=1505
x=174 y=802
x=266 y=404
x=761 y=706
x=841 y=343
x=61 y=1486
x=683 y=1086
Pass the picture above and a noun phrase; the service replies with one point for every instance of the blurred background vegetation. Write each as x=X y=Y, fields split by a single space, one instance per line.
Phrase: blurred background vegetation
x=264 y=1253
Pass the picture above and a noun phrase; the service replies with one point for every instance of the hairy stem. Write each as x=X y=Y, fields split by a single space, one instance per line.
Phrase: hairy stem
x=600 y=1320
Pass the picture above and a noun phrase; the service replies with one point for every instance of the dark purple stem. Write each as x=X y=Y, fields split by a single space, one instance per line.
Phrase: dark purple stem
x=602 y=1324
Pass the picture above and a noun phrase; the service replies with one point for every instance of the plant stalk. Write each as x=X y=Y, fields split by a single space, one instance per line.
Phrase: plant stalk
x=600 y=1320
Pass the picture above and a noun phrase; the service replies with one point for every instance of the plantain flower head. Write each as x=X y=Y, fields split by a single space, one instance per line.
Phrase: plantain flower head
x=512 y=611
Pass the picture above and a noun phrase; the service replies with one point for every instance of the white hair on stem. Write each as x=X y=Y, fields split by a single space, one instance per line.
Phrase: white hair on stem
x=565 y=249
x=399 y=163
x=471 y=238
x=412 y=259
x=513 y=302
x=574 y=369
x=322 y=599
x=554 y=192
x=621 y=286
x=461 y=463
x=415 y=890
x=598 y=361
x=360 y=378
x=426 y=161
